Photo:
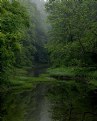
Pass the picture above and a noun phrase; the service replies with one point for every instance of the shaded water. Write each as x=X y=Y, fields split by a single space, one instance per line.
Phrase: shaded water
x=29 y=105
x=37 y=70
x=50 y=101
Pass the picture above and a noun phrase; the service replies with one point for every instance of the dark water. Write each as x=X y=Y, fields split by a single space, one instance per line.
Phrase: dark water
x=57 y=101
x=36 y=71
x=28 y=105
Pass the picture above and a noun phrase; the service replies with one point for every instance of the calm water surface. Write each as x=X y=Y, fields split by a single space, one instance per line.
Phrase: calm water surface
x=61 y=101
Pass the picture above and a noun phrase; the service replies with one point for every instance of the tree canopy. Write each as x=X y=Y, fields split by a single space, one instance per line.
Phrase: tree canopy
x=13 y=22
x=73 y=32
x=22 y=35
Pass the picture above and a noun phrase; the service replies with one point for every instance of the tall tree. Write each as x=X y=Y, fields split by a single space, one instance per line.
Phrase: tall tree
x=73 y=33
x=13 y=22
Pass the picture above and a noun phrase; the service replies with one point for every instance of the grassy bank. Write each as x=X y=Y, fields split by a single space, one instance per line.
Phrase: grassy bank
x=90 y=73
x=84 y=73
x=20 y=78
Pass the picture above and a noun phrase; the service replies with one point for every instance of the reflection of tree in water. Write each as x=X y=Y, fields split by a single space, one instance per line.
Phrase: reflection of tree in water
x=40 y=105
x=25 y=105
x=72 y=102
x=69 y=101
x=13 y=106
x=2 y=110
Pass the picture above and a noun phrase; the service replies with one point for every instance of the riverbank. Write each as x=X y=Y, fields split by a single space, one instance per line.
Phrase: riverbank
x=87 y=75
x=22 y=78
x=42 y=94
x=25 y=79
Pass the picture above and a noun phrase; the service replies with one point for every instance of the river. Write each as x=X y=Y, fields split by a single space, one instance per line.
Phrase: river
x=49 y=101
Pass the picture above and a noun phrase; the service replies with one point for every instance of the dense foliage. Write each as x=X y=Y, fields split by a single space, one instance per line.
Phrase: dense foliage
x=24 y=51
x=34 y=51
x=13 y=23
x=73 y=36
x=22 y=35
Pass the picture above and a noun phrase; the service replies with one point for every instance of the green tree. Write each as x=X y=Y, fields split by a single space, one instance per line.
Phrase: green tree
x=33 y=44
x=73 y=32
x=13 y=24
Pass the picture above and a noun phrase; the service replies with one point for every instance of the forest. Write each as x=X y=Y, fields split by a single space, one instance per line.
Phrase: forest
x=48 y=60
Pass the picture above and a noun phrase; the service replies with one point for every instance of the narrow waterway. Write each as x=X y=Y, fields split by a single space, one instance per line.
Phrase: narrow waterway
x=50 y=101
x=39 y=110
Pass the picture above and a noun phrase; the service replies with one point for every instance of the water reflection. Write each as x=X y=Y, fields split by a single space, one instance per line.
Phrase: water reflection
x=31 y=105
x=63 y=101
x=72 y=101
